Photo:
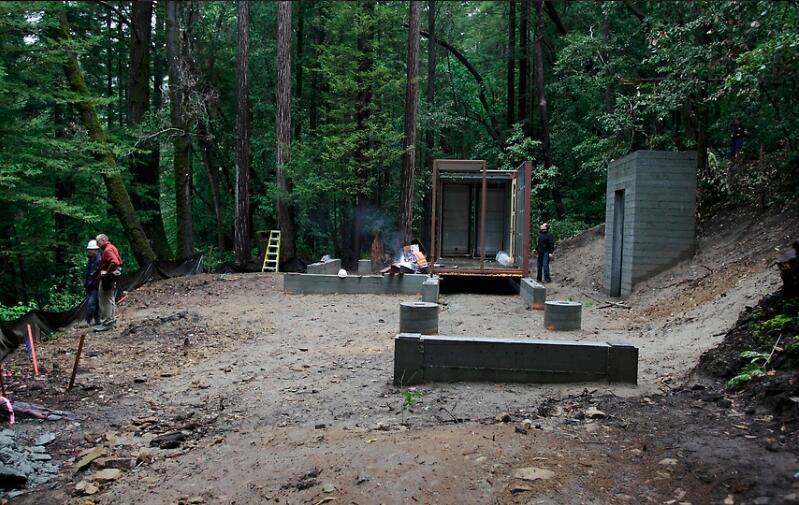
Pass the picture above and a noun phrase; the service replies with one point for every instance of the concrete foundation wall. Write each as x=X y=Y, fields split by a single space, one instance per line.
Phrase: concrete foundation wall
x=330 y=267
x=309 y=284
x=659 y=214
x=419 y=359
x=533 y=293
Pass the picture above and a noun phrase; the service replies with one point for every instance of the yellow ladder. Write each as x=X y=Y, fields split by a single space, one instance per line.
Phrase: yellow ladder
x=272 y=254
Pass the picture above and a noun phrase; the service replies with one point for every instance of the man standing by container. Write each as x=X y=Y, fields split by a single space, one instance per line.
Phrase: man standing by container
x=545 y=248
x=110 y=271
x=92 y=283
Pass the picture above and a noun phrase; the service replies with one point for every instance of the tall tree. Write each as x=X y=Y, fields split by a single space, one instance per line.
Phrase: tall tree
x=363 y=113
x=511 y=63
x=117 y=192
x=176 y=48
x=145 y=162
x=543 y=108
x=242 y=224
x=408 y=177
x=285 y=213
x=524 y=66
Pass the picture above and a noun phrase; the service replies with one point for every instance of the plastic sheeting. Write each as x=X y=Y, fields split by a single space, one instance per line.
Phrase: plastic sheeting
x=43 y=322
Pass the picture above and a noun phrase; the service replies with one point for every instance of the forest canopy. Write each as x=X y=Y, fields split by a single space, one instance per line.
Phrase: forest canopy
x=190 y=127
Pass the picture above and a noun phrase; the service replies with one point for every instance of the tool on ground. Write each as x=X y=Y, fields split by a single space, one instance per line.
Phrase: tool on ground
x=272 y=253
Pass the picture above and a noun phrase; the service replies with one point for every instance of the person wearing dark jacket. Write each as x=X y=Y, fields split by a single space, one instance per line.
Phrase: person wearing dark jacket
x=545 y=248
x=92 y=283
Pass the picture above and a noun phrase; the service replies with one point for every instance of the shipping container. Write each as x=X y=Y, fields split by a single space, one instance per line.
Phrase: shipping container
x=480 y=219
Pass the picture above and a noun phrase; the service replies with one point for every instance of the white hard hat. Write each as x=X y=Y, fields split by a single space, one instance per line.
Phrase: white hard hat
x=342 y=273
x=92 y=245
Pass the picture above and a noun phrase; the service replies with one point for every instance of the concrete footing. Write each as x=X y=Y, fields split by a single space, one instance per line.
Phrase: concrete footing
x=419 y=317
x=419 y=359
x=328 y=267
x=309 y=284
x=430 y=290
x=563 y=315
x=533 y=293
x=364 y=267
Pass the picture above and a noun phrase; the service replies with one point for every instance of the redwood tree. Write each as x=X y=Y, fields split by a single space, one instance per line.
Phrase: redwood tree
x=145 y=162
x=242 y=223
x=408 y=177
x=285 y=214
x=543 y=108
x=179 y=115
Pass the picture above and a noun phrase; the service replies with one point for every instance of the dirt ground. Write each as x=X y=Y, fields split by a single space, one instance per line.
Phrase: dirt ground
x=266 y=397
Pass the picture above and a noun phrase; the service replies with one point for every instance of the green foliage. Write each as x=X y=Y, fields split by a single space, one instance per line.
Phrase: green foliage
x=409 y=399
x=567 y=228
x=756 y=367
x=613 y=85
x=16 y=311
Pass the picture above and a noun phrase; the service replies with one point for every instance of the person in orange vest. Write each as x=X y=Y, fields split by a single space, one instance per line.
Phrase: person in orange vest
x=420 y=261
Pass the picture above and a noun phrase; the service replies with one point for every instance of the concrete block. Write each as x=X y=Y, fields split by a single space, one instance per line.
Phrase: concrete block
x=408 y=360
x=623 y=363
x=320 y=284
x=563 y=315
x=328 y=267
x=430 y=290
x=533 y=293
x=364 y=267
x=419 y=317
x=442 y=358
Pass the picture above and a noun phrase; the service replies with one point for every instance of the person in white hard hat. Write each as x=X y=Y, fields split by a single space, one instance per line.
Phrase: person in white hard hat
x=92 y=283
x=545 y=248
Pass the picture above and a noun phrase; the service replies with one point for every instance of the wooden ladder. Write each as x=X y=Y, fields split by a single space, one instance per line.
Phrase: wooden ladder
x=272 y=254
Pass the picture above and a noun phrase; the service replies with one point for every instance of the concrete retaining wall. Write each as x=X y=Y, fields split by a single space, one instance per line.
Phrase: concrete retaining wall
x=329 y=267
x=419 y=359
x=533 y=293
x=659 y=225
x=364 y=267
x=310 y=284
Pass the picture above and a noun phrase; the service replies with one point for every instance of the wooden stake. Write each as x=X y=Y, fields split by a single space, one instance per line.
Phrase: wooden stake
x=32 y=349
x=77 y=362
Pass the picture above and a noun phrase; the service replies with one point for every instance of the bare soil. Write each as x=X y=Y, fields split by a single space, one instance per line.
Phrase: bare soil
x=268 y=397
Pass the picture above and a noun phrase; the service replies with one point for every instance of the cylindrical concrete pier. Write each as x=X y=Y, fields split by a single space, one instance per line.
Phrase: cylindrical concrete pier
x=419 y=317
x=563 y=315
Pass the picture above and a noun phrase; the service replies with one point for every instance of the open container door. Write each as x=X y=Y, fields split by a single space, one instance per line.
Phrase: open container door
x=522 y=242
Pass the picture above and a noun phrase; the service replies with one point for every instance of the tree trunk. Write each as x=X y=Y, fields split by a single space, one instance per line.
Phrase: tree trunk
x=408 y=178
x=363 y=112
x=285 y=212
x=543 y=108
x=145 y=162
x=430 y=134
x=158 y=55
x=211 y=162
x=181 y=140
x=242 y=224
x=109 y=73
x=524 y=66
x=298 y=66
x=511 y=64
x=117 y=192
